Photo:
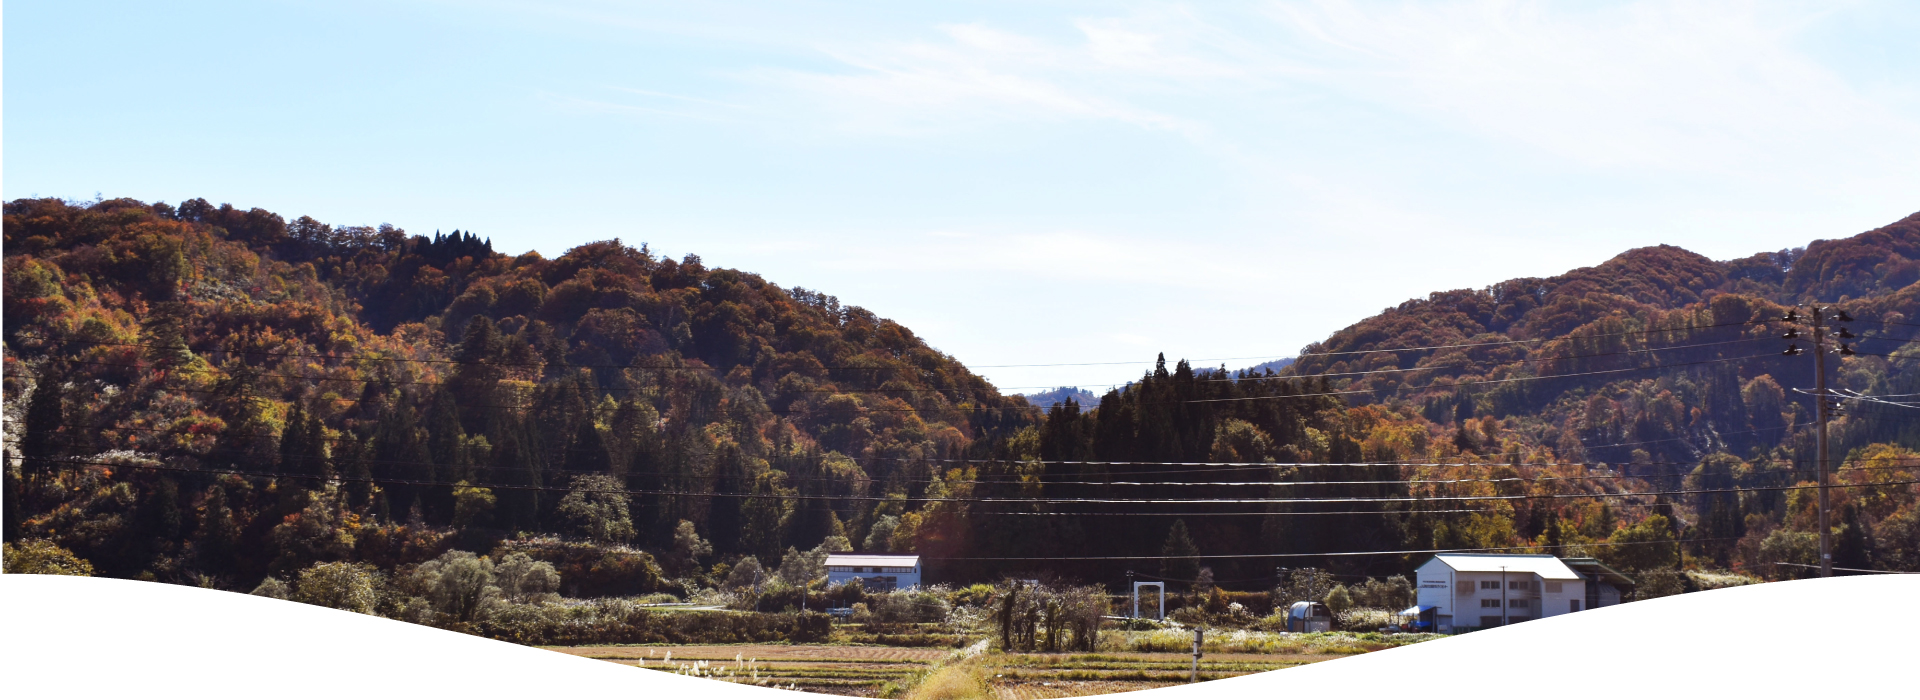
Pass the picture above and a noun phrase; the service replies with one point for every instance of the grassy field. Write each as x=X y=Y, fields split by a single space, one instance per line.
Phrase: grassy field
x=881 y=671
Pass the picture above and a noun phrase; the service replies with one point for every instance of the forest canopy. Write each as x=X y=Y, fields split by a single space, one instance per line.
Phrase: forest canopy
x=206 y=395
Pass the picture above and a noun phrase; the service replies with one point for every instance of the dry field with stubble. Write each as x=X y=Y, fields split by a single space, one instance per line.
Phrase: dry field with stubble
x=872 y=671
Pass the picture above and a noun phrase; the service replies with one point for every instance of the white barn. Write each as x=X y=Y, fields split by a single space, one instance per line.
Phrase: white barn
x=1460 y=592
x=874 y=571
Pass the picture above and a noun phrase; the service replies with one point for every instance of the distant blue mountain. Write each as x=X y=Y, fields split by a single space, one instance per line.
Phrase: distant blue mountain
x=1256 y=370
x=1088 y=399
x=1275 y=365
x=1047 y=399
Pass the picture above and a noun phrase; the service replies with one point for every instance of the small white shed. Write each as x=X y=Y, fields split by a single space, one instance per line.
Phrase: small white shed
x=877 y=572
x=1463 y=592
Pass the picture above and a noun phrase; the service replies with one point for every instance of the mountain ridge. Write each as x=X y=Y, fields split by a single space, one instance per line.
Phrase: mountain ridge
x=293 y=393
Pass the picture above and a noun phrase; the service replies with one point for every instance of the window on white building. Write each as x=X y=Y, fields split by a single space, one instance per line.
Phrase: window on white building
x=1463 y=587
x=1490 y=603
x=1490 y=585
x=1553 y=586
x=1520 y=603
x=1573 y=605
x=1517 y=585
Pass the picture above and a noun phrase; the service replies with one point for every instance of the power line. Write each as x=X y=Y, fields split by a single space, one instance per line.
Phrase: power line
x=789 y=477
x=1662 y=543
x=1495 y=381
x=490 y=363
x=1288 y=513
x=549 y=386
x=964 y=408
x=1503 y=363
x=376 y=358
x=1684 y=329
x=317 y=459
x=1236 y=466
x=561 y=385
x=1243 y=465
x=800 y=496
x=1840 y=568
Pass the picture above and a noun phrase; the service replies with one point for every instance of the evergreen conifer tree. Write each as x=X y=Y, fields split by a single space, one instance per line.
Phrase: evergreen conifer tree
x=1181 y=557
x=1852 y=545
x=45 y=414
x=294 y=451
x=514 y=466
x=589 y=453
x=724 y=516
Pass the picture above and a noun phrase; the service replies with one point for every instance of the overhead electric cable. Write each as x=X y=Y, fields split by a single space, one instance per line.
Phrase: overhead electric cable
x=799 y=496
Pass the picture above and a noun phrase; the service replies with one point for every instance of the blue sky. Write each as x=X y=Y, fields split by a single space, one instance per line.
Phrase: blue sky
x=1020 y=183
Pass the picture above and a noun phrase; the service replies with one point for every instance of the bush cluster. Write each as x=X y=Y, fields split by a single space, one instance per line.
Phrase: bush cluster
x=592 y=570
x=622 y=621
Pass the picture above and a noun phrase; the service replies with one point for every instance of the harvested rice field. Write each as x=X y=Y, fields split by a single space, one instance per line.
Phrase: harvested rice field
x=875 y=671
x=820 y=668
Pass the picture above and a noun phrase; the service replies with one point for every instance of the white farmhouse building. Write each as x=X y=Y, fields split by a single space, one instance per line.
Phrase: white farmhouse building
x=876 y=572
x=1461 y=592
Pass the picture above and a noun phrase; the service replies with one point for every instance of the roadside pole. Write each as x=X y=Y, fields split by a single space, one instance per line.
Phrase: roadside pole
x=1823 y=409
x=1199 y=635
x=1820 y=437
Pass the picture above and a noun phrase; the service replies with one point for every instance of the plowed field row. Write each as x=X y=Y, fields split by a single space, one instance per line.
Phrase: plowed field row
x=1040 y=690
x=768 y=652
x=865 y=670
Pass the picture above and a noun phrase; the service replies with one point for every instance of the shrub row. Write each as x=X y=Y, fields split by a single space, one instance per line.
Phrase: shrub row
x=589 y=570
x=624 y=622
x=954 y=641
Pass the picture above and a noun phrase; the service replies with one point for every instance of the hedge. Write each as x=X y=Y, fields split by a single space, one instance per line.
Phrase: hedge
x=624 y=622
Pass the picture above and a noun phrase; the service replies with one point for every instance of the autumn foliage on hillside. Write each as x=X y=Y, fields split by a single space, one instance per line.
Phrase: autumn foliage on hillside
x=207 y=395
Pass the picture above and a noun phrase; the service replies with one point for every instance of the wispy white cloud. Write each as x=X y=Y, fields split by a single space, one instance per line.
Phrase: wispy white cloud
x=1675 y=86
x=1064 y=256
x=672 y=96
x=1350 y=155
x=1688 y=87
x=976 y=75
x=581 y=104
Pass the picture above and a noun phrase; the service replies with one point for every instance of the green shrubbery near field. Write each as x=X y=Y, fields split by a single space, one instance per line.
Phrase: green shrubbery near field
x=1256 y=642
x=618 y=621
x=513 y=598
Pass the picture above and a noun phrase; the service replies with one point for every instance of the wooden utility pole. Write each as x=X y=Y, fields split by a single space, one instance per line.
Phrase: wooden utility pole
x=1820 y=437
x=1823 y=409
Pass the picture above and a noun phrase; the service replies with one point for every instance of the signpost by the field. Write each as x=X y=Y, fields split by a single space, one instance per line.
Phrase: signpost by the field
x=1159 y=613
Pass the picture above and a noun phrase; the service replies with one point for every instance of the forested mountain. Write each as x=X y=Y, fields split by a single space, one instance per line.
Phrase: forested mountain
x=207 y=395
x=1260 y=369
x=1050 y=397
x=211 y=338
